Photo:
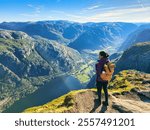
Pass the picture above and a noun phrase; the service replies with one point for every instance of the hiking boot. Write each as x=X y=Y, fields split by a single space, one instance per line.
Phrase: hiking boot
x=105 y=103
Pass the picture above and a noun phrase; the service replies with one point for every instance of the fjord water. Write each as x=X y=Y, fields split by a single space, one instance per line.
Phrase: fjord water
x=51 y=90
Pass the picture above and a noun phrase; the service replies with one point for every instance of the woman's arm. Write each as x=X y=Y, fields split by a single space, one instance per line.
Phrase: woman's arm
x=98 y=67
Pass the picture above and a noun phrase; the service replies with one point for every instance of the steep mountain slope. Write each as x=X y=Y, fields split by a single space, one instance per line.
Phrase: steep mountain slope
x=142 y=34
x=129 y=92
x=115 y=56
x=76 y=35
x=136 y=57
x=26 y=64
x=61 y=57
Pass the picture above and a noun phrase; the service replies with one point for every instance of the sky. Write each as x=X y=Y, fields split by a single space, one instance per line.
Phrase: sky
x=75 y=10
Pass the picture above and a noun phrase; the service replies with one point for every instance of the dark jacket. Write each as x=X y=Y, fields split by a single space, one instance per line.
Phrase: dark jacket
x=100 y=67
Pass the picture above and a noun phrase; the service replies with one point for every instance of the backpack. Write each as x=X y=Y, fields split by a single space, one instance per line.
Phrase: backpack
x=106 y=75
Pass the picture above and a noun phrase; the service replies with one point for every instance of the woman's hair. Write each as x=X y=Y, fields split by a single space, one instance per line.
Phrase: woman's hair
x=104 y=54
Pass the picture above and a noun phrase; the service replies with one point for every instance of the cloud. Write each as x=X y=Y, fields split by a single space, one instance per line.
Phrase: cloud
x=95 y=13
x=57 y=11
x=36 y=10
x=132 y=13
x=91 y=8
x=29 y=5
x=104 y=9
x=141 y=3
x=127 y=14
x=64 y=15
x=94 y=7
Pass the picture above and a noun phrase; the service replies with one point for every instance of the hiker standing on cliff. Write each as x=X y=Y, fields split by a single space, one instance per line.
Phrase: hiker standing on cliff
x=103 y=59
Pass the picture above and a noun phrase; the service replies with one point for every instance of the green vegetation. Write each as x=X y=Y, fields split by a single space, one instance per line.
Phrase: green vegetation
x=83 y=78
x=125 y=81
x=62 y=104
x=83 y=75
x=9 y=42
x=3 y=48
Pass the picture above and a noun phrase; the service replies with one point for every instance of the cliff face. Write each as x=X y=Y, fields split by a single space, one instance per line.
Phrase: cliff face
x=136 y=57
x=129 y=91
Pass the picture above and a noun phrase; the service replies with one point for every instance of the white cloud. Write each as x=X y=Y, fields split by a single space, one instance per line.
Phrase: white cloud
x=29 y=5
x=104 y=9
x=94 y=7
x=128 y=14
x=36 y=10
x=61 y=15
x=132 y=13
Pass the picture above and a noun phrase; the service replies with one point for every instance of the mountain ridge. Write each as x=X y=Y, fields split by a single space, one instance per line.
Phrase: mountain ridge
x=72 y=34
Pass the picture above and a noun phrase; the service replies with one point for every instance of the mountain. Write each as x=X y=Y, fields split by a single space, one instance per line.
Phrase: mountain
x=136 y=57
x=115 y=56
x=27 y=64
x=142 y=34
x=60 y=31
x=79 y=36
x=128 y=92
x=103 y=36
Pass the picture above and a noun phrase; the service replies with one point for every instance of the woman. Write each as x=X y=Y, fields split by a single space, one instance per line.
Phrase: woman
x=103 y=59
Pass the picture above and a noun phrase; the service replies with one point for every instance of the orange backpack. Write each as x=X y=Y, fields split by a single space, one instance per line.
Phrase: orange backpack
x=106 y=75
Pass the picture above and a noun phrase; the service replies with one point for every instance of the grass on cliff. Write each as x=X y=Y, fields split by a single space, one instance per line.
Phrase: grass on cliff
x=125 y=81
x=59 y=105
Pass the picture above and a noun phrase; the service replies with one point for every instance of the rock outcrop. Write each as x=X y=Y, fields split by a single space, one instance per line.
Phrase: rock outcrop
x=136 y=57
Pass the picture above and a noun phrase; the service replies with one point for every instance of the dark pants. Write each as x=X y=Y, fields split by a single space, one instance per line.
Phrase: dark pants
x=99 y=86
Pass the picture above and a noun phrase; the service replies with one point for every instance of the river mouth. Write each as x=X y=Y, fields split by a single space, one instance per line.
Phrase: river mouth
x=51 y=90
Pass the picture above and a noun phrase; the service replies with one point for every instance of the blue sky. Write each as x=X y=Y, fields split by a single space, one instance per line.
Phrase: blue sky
x=75 y=10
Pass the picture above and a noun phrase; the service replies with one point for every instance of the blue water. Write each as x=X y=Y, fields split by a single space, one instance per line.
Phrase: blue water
x=51 y=90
